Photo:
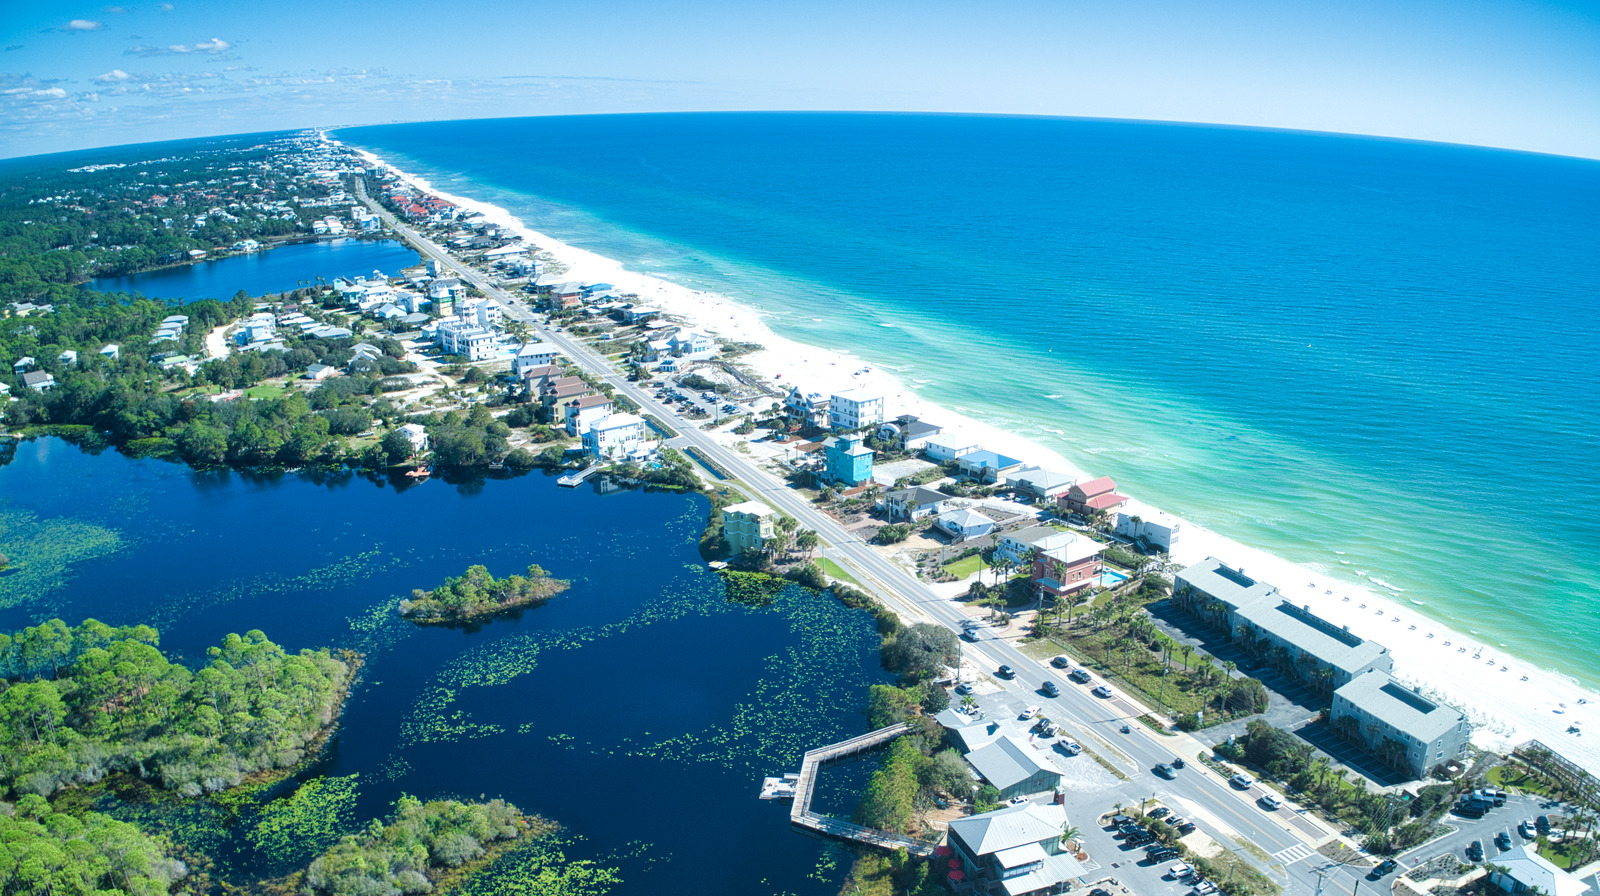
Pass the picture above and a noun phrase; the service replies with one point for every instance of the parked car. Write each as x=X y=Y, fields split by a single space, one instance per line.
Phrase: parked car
x=1051 y=689
x=1102 y=691
x=1475 y=851
x=1503 y=840
x=1527 y=829
x=1060 y=662
x=1382 y=868
x=1118 y=821
x=1165 y=771
x=964 y=687
x=1180 y=870
x=1184 y=826
x=1159 y=812
x=1271 y=801
x=1081 y=676
x=1069 y=746
x=1017 y=801
x=1205 y=888
x=1542 y=824
x=1160 y=853
x=1029 y=713
x=1242 y=781
x=1007 y=672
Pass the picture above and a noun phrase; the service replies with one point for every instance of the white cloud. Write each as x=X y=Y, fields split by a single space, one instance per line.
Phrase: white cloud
x=115 y=10
x=84 y=25
x=112 y=77
x=167 y=7
x=211 y=47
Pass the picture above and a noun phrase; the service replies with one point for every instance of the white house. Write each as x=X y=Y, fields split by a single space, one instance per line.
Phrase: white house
x=484 y=313
x=1152 y=526
x=320 y=371
x=613 y=437
x=68 y=358
x=38 y=380
x=950 y=445
x=23 y=365
x=1016 y=850
x=965 y=524
x=417 y=435
x=909 y=431
x=581 y=413
x=912 y=503
x=460 y=337
x=1037 y=482
x=806 y=408
x=690 y=342
x=1528 y=872
x=854 y=409
x=111 y=351
x=532 y=355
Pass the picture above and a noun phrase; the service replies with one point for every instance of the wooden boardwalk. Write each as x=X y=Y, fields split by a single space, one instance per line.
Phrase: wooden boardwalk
x=800 y=813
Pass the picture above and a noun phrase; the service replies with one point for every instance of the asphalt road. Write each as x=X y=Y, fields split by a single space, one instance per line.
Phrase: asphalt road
x=1225 y=812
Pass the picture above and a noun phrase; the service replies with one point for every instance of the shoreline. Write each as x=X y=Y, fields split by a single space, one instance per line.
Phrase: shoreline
x=1509 y=700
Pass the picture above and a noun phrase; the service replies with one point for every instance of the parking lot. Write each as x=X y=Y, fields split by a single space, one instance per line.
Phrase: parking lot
x=1505 y=818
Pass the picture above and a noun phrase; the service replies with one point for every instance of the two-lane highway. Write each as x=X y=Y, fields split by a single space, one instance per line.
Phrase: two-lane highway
x=1210 y=800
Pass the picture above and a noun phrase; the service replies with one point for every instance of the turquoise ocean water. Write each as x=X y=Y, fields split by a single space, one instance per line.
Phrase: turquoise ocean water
x=1335 y=348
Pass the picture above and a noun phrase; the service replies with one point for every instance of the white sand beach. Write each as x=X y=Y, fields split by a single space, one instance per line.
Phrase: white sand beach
x=1508 y=700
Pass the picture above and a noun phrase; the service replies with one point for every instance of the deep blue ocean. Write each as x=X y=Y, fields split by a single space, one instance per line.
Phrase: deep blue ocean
x=1372 y=356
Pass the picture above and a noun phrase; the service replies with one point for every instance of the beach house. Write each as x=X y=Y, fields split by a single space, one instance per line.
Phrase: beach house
x=68 y=358
x=38 y=380
x=963 y=524
x=533 y=355
x=1095 y=496
x=1523 y=870
x=691 y=344
x=912 y=503
x=947 y=446
x=987 y=467
x=614 y=437
x=111 y=351
x=747 y=526
x=849 y=463
x=23 y=365
x=580 y=413
x=1410 y=731
x=557 y=392
x=417 y=435
x=1150 y=529
x=460 y=337
x=908 y=432
x=1066 y=563
x=854 y=409
x=1017 y=850
x=1018 y=545
x=1040 y=484
x=808 y=409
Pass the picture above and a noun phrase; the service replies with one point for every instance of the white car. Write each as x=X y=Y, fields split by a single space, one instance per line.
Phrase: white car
x=1180 y=870
x=1271 y=801
x=1242 y=781
x=964 y=687
x=1029 y=713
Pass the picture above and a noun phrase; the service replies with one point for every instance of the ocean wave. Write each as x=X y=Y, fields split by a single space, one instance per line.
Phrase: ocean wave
x=1377 y=581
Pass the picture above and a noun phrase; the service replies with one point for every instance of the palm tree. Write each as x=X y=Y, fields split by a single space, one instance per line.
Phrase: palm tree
x=1187 y=650
x=1070 y=834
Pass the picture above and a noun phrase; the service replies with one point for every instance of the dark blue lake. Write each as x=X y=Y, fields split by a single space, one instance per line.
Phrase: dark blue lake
x=639 y=708
x=274 y=270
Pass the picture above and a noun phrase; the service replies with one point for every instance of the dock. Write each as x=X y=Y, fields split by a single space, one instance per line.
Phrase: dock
x=805 y=783
x=573 y=480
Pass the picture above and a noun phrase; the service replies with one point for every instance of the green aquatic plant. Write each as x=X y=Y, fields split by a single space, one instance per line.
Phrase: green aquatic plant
x=307 y=821
x=43 y=553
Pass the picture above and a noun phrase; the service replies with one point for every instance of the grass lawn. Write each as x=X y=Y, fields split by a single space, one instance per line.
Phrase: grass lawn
x=265 y=390
x=1509 y=776
x=834 y=571
x=964 y=567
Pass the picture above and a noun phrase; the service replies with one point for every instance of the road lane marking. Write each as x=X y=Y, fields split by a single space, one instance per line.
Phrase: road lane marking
x=1294 y=853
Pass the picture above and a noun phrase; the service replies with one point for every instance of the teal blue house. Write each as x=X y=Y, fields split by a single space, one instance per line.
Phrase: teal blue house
x=849 y=462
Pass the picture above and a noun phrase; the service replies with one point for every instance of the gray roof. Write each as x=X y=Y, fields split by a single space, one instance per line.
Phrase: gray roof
x=1311 y=633
x=1040 y=478
x=35 y=377
x=1378 y=695
x=1225 y=583
x=1032 y=535
x=1008 y=828
x=918 y=495
x=1007 y=761
x=964 y=518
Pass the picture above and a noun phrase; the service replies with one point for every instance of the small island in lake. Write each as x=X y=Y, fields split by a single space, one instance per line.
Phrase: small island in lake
x=477 y=595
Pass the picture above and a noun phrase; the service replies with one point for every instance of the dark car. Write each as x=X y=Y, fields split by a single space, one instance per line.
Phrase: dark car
x=1118 y=821
x=1060 y=662
x=1160 y=812
x=1542 y=825
x=1098 y=892
x=1165 y=771
x=1503 y=841
x=1051 y=689
x=1383 y=867
x=1475 y=851
x=1178 y=762
x=1471 y=809
x=1186 y=827
x=1007 y=672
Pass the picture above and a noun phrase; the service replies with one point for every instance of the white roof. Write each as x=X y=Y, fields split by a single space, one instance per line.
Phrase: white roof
x=1537 y=873
x=966 y=519
x=755 y=507
x=1009 y=760
x=617 y=421
x=1069 y=550
x=858 y=395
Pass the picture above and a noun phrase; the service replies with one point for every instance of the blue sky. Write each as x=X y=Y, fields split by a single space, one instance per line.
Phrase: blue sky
x=1524 y=75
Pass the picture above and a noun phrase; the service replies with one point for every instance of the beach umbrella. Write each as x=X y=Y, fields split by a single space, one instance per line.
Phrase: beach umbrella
x=957 y=874
x=942 y=851
x=955 y=863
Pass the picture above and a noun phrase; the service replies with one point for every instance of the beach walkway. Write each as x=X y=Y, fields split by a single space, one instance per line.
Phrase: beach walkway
x=800 y=814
